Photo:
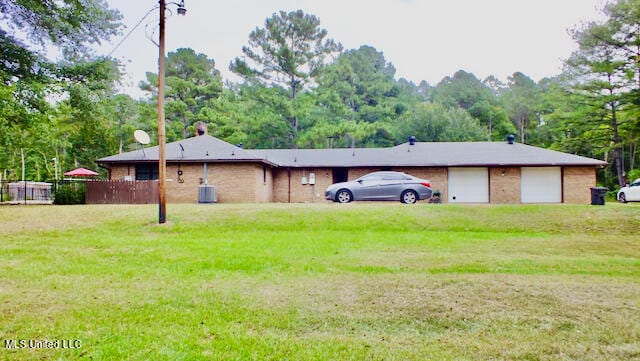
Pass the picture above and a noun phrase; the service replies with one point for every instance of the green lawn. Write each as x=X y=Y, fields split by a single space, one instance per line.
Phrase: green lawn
x=322 y=282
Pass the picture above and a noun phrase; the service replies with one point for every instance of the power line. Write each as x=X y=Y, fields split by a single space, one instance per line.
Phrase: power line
x=131 y=31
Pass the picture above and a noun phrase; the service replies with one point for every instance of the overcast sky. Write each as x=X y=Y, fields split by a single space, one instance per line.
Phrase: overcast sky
x=423 y=39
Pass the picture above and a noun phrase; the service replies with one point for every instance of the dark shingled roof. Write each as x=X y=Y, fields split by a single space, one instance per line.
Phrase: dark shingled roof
x=196 y=149
x=441 y=154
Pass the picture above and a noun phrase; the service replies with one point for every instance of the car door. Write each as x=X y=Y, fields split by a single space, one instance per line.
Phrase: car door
x=634 y=191
x=368 y=187
x=392 y=186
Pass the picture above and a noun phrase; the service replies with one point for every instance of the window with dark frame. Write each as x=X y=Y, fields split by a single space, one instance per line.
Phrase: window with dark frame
x=147 y=172
x=340 y=175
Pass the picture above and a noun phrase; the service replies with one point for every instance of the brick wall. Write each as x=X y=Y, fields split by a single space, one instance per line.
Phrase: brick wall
x=234 y=182
x=577 y=184
x=252 y=182
x=355 y=173
x=184 y=188
x=117 y=172
x=324 y=178
x=504 y=185
x=437 y=176
x=301 y=193
x=264 y=184
x=280 y=185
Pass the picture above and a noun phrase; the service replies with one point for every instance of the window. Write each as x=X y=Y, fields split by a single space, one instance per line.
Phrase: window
x=146 y=171
x=395 y=176
x=340 y=175
x=372 y=177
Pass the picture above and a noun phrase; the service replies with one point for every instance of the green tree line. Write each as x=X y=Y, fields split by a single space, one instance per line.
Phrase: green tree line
x=301 y=89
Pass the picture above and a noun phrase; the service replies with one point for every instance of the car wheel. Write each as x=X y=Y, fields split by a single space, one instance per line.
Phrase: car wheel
x=344 y=196
x=409 y=196
x=622 y=198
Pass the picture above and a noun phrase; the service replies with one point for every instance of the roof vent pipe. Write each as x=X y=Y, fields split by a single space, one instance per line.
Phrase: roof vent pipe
x=510 y=138
x=412 y=140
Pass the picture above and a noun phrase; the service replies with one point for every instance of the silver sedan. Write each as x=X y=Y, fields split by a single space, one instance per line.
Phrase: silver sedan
x=381 y=186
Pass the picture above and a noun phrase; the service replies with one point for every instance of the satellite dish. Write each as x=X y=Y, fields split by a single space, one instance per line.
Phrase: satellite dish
x=141 y=137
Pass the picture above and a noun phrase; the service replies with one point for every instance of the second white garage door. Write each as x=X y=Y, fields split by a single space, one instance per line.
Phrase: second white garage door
x=541 y=185
x=468 y=185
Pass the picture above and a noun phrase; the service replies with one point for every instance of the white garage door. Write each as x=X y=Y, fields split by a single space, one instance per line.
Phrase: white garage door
x=468 y=185
x=541 y=185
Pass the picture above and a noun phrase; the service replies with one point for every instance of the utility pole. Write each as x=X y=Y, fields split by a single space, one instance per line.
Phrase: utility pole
x=162 y=161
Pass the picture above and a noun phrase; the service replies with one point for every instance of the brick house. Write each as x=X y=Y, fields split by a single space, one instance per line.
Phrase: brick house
x=464 y=172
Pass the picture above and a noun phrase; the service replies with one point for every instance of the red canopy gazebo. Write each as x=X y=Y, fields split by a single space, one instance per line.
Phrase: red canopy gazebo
x=81 y=172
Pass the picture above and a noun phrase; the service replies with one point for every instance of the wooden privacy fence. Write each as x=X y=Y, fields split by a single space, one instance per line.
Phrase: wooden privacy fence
x=121 y=192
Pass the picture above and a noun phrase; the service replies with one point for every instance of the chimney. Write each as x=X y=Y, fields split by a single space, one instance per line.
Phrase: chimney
x=412 y=140
x=510 y=138
x=201 y=129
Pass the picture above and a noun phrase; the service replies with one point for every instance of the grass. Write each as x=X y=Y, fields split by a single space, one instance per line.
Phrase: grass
x=322 y=282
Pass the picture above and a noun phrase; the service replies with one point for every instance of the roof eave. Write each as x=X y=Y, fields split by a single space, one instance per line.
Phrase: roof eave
x=129 y=161
x=442 y=165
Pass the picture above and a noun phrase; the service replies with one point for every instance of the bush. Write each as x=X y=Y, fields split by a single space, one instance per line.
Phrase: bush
x=70 y=193
x=633 y=175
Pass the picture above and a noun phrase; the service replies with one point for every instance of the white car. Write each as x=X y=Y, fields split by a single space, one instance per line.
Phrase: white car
x=630 y=192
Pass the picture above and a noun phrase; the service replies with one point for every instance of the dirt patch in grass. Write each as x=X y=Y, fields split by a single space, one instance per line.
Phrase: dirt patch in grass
x=494 y=316
x=579 y=298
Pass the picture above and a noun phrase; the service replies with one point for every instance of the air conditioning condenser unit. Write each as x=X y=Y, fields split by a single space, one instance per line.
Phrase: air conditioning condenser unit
x=207 y=194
